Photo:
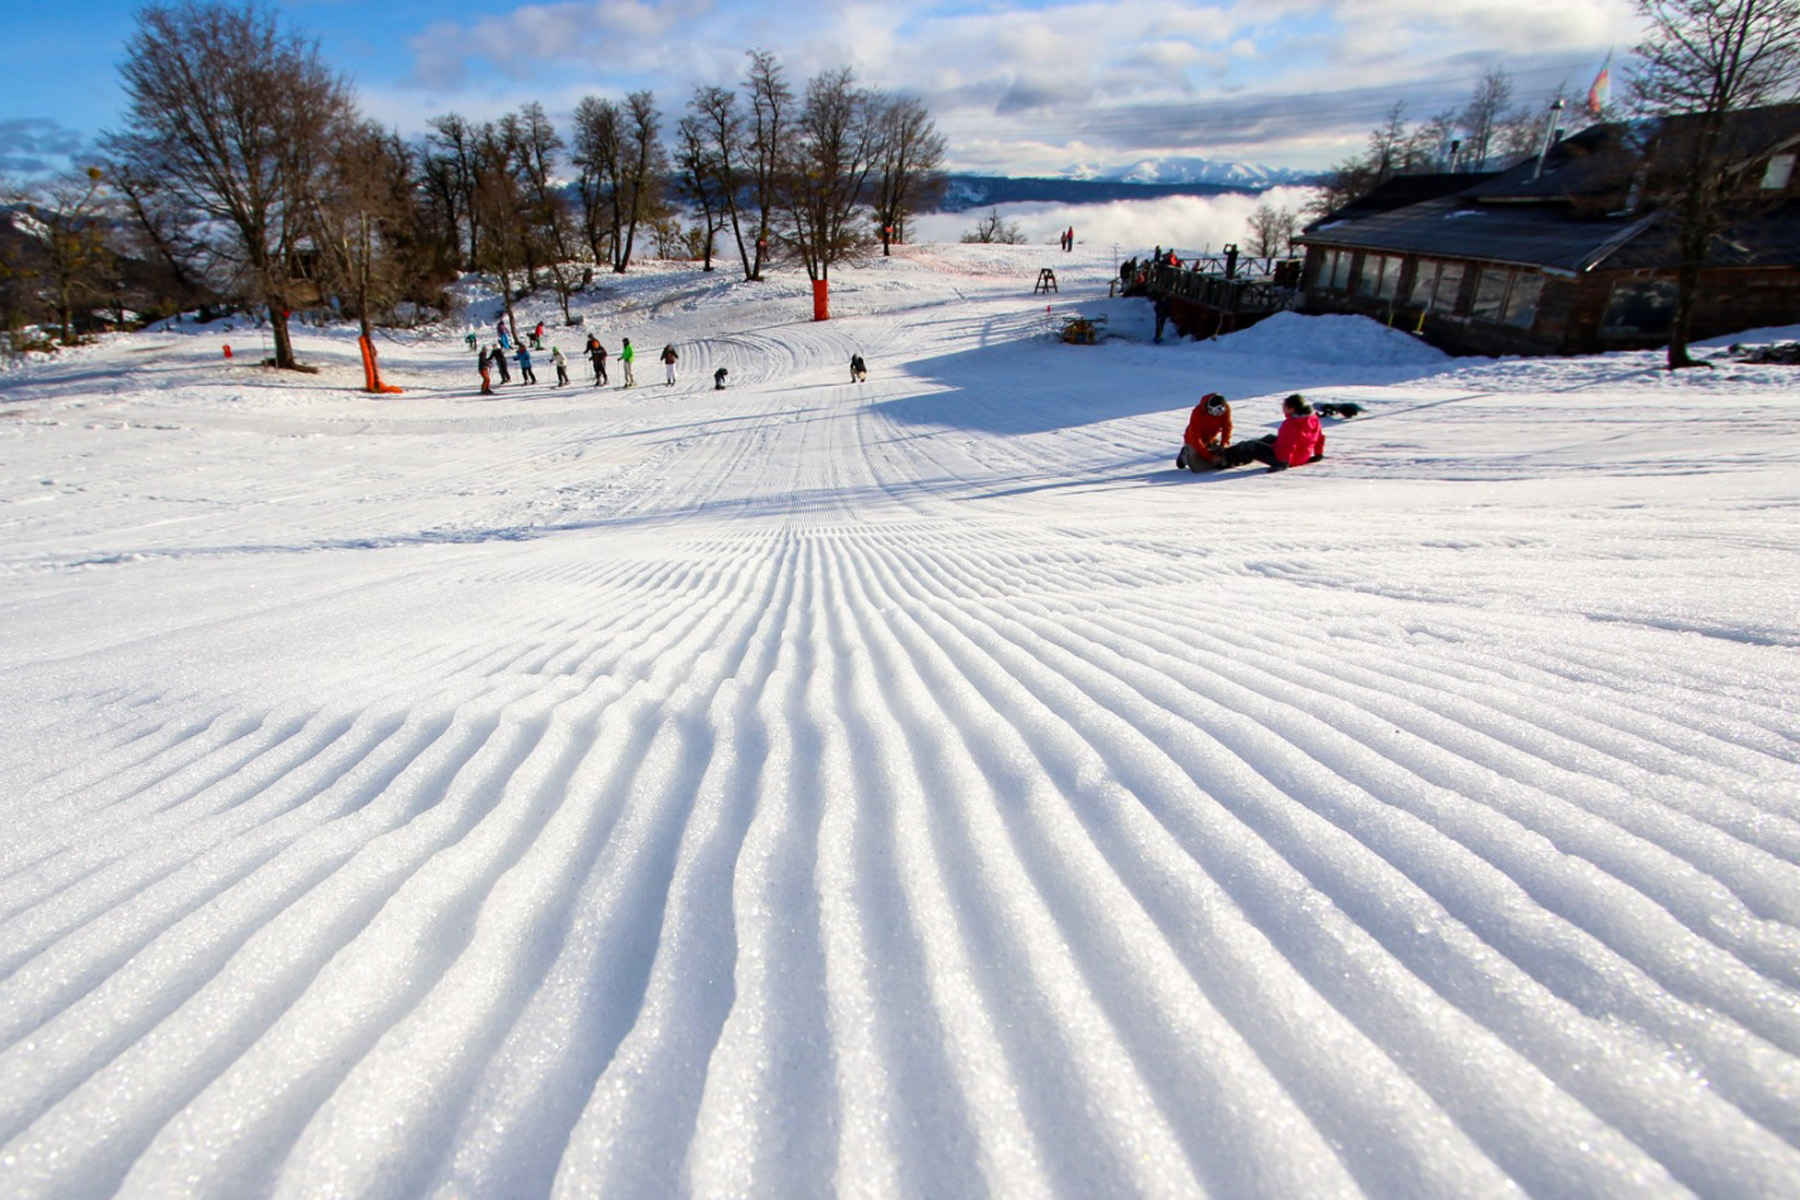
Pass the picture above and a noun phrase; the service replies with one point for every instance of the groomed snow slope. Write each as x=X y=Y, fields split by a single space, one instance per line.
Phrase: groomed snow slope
x=913 y=789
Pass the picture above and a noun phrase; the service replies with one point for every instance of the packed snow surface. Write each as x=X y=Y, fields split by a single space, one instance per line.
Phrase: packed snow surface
x=910 y=789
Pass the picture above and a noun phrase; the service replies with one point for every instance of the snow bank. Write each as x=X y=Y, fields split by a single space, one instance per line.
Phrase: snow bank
x=899 y=788
x=1332 y=339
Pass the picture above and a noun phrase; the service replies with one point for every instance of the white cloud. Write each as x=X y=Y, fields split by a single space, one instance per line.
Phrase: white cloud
x=1166 y=54
x=537 y=35
x=1293 y=83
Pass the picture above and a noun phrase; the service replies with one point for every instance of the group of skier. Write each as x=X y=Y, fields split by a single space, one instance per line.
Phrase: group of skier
x=492 y=360
x=1207 y=444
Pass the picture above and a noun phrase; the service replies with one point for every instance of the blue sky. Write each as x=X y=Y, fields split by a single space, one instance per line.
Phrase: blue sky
x=1017 y=87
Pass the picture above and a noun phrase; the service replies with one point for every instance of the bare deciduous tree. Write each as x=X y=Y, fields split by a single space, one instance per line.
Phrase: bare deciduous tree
x=907 y=174
x=364 y=221
x=1429 y=144
x=643 y=173
x=448 y=170
x=698 y=176
x=771 y=104
x=994 y=228
x=597 y=156
x=1482 y=118
x=720 y=125
x=500 y=202
x=71 y=210
x=546 y=213
x=832 y=152
x=1702 y=62
x=1272 y=231
x=235 y=116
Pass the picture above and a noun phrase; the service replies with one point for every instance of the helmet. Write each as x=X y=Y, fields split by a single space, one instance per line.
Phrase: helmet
x=1215 y=403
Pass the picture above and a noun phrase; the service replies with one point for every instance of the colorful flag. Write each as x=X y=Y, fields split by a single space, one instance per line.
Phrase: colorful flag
x=1601 y=93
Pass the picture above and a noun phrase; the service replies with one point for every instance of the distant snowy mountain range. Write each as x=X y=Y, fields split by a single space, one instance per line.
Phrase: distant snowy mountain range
x=1142 y=180
x=1195 y=170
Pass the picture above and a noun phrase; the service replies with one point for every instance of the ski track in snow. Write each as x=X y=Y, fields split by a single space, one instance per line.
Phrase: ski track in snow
x=909 y=789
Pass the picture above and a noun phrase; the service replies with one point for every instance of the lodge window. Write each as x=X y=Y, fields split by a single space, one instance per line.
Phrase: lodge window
x=1436 y=284
x=1506 y=296
x=1338 y=280
x=1380 y=276
x=1640 y=307
x=1490 y=294
x=1522 y=299
x=1779 y=172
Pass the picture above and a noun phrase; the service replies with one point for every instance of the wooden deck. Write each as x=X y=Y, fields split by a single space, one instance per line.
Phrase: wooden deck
x=1212 y=295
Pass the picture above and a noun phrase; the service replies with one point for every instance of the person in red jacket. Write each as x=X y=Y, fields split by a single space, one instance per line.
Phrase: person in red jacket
x=1208 y=434
x=1299 y=440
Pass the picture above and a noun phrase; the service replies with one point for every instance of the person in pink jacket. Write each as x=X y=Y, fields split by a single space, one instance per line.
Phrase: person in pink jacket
x=1299 y=440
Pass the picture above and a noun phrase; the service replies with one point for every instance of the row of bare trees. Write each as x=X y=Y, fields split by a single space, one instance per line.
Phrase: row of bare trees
x=244 y=168
x=1489 y=132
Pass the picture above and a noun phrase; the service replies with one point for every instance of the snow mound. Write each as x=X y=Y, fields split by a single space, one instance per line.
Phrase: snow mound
x=1333 y=339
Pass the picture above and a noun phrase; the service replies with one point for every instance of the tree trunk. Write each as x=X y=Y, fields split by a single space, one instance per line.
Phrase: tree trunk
x=624 y=257
x=506 y=300
x=1687 y=287
x=278 y=331
x=737 y=233
x=66 y=306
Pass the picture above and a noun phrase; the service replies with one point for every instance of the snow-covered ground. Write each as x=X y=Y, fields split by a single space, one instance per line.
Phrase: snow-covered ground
x=909 y=789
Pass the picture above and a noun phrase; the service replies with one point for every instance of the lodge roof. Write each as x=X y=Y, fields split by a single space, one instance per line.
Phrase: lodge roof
x=1450 y=227
x=1570 y=216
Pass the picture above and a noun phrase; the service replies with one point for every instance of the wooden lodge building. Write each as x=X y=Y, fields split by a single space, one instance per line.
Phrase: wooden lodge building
x=1564 y=259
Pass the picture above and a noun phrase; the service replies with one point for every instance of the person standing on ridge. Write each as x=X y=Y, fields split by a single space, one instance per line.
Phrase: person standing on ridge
x=668 y=361
x=597 y=356
x=626 y=354
x=562 y=365
x=526 y=374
